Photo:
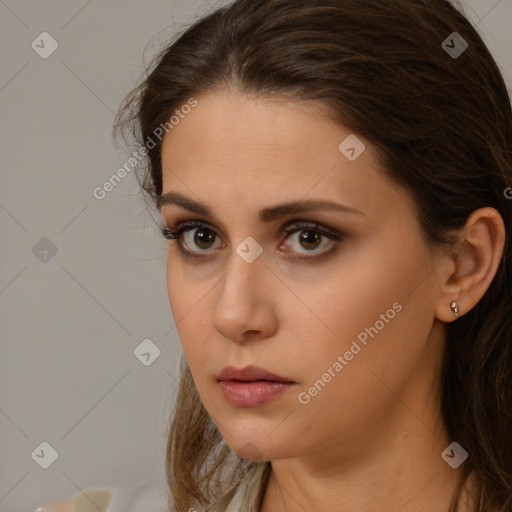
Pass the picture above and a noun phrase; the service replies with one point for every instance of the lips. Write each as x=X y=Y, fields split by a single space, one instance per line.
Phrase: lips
x=250 y=374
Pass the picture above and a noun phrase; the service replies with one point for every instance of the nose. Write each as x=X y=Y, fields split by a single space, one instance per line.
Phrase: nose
x=245 y=308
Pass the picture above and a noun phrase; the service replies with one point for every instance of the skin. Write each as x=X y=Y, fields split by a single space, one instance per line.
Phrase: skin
x=372 y=438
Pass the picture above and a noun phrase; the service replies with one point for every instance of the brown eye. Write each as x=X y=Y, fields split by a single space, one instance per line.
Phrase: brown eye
x=197 y=240
x=203 y=237
x=310 y=239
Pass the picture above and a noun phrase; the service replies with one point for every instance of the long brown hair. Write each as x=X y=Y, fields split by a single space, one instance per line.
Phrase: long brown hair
x=442 y=124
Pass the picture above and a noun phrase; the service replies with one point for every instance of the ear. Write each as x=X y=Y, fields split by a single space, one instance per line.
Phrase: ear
x=474 y=264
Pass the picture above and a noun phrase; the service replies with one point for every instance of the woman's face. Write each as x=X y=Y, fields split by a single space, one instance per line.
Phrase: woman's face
x=348 y=319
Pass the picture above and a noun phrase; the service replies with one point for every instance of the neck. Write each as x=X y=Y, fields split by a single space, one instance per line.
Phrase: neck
x=396 y=467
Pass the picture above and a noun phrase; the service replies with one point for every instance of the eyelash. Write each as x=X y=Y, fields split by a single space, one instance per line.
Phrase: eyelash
x=176 y=232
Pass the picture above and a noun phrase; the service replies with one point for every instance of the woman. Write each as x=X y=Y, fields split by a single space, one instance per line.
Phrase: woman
x=334 y=179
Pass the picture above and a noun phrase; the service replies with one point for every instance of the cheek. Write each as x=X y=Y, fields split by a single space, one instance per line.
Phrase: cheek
x=349 y=325
x=351 y=293
x=377 y=309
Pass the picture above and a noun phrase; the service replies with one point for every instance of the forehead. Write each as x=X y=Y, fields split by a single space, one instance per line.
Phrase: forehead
x=269 y=149
x=230 y=124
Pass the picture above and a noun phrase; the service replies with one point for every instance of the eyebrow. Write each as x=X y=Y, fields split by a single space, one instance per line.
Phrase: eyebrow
x=267 y=214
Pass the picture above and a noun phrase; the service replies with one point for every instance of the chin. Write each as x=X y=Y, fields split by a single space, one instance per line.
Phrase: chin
x=260 y=448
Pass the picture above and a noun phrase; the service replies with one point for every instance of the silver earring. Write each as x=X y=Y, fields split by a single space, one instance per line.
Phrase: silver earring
x=455 y=309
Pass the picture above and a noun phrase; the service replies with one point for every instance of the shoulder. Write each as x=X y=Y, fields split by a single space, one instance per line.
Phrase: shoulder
x=91 y=500
x=57 y=506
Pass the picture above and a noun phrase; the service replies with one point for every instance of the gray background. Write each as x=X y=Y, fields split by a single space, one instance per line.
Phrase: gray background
x=70 y=321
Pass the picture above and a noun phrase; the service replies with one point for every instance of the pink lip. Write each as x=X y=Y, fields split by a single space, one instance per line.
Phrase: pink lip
x=252 y=394
x=250 y=373
x=251 y=386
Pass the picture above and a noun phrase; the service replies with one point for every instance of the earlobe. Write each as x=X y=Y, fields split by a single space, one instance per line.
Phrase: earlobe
x=455 y=309
x=473 y=266
x=448 y=311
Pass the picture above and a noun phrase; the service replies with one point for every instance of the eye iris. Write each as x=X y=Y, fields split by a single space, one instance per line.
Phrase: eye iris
x=203 y=237
x=309 y=237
